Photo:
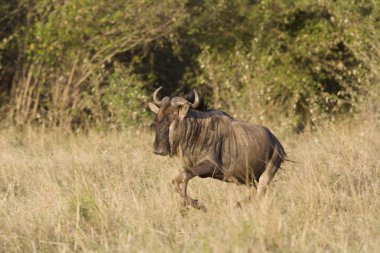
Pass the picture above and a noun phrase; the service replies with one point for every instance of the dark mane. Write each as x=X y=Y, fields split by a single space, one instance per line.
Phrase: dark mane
x=195 y=113
x=203 y=107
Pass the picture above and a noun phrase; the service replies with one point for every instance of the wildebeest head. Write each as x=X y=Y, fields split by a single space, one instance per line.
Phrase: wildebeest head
x=168 y=110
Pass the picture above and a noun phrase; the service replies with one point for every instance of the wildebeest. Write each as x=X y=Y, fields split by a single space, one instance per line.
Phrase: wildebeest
x=211 y=143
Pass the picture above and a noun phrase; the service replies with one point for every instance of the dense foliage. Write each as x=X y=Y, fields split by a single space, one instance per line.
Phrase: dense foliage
x=95 y=63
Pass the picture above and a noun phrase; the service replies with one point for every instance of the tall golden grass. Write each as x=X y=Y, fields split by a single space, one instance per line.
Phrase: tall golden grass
x=107 y=192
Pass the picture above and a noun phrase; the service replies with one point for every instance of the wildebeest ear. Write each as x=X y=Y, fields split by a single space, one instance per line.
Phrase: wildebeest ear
x=183 y=111
x=154 y=108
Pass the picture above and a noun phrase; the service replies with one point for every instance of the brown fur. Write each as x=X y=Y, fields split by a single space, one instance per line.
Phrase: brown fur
x=210 y=143
x=239 y=151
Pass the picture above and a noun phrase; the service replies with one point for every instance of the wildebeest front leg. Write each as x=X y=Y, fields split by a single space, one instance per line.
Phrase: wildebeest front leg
x=186 y=200
x=204 y=169
x=176 y=182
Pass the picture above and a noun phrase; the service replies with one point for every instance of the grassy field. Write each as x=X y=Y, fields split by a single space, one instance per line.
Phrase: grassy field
x=108 y=193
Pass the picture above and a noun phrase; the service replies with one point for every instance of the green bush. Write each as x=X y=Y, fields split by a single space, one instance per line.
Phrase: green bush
x=66 y=51
x=79 y=64
x=302 y=65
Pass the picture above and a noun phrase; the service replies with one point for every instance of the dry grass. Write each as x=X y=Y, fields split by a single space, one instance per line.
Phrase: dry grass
x=109 y=193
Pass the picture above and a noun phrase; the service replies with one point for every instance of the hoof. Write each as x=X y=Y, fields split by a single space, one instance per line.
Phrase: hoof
x=238 y=205
x=199 y=205
x=175 y=186
x=185 y=203
x=184 y=211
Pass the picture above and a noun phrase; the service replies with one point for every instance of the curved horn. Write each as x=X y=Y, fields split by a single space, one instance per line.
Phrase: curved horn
x=155 y=98
x=180 y=101
x=196 y=100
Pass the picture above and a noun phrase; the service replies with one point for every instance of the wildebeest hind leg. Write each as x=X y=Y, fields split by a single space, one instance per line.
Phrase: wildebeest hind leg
x=252 y=194
x=270 y=170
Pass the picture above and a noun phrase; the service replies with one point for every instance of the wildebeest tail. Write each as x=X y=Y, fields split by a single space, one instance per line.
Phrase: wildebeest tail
x=282 y=154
